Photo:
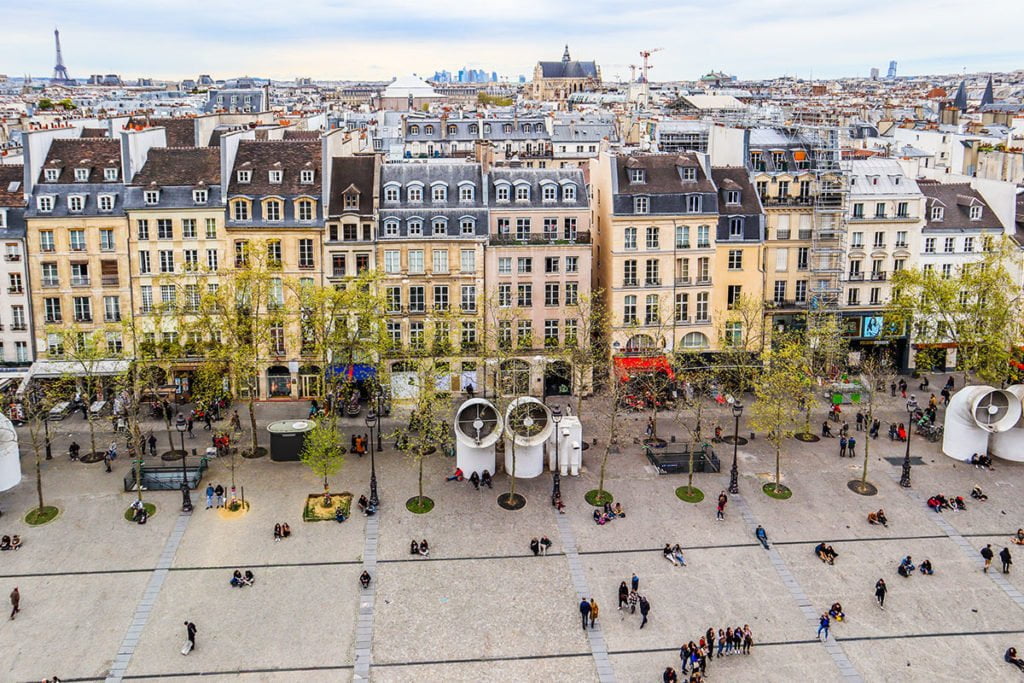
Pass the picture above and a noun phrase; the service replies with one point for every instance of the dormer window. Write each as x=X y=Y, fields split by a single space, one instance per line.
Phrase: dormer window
x=474 y=129
x=415 y=194
x=76 y=203
x=501 y=193
x=428 y=130
x=81 y=175
x=466 y=193
x=440 y=226
x=44 y=203
x=106 y=202
x=895 y=180
x=732 y=197
x=351 y=201
x=937 y=213
x=569 y=193
x=51 y=174
x=735 y=228
x=151 y=197
x=414 y=130
x=200 y=196
x=245 y=176
x=391 y=194
x=273 y=211
x=693 y=203
x=507 y=128
x=637 y=175
x=549 y=194
x=276 y=177
x=975 y=213
x=452 y=130
x=689 y=173
x=439 y=193
x=641 y=205
x=306 y=177
x=487 y=129
x=523 y=193
x=110 y=174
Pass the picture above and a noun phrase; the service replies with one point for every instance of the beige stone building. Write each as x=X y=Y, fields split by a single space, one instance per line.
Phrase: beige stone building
x=556 y=81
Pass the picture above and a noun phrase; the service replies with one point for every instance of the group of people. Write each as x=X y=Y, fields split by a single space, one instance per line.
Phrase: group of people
x=825 y=553
x=897 y=432
x=540 y=547
x=214 y=494
x=475 y=479
x=674 y=554
x=906 y=567
x=240 y=580
x=609 y=513
x=139 y=514
x=878 y=518
x=10 y=542
x=282 y=530
x=1004 y=557
x=694 y=655
x=982 y=461
x=365 y=506
x=422 y=548
x=630 y=597
x=939 y=502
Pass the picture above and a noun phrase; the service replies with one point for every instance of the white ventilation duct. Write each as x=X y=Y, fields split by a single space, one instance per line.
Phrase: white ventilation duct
x=527 y=427
x=1009 y=445
x=974 y=414
x=10 y=460
x=568 y=432
x=477 y=430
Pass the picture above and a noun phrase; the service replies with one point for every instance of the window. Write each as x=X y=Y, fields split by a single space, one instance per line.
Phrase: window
x=54 y=344
x=21 y=352
x=393 y=299
x=44 y=203
x=880 y=210
x=416 y=335
x=704 y=270
x=689 y=173
x=637 y=175
x=702 y=307
x=682 y=237
x=947 y=271
x=693 y=203
x=467 y=261
x=629 y=278
x=875 y=296
x=572 y=293
x=166 y=261
x=682 y=308
x=551 y=264
x=779 y=295
x=391 y=194
x=77 y=240
x=522 y=193
x=439 y=226
x=898 y=264
x=551 y=294
x=468 y=301
x=51 y=174
x=392 y=261
x=735 y=228
x=416 y=261
x=975 y=213
x=188 y=228
x=106 y=239
x=800 y=293
x=439 y=193
x=191 y=259
x=504 y=295
x=106 y=202
x=781 y=260
x=51 y=310
x=969 y=245
x=629 y=310
x=273 y=211
x=164 y=229
x=274 y=253
x=652 y=273
x=569 y=192
x=468 y=335
x=244 y=176
x=703 y=237
x=501 y=193
x=641 y=204
x=653 y=237
x=901 y=238
x=76 y=203
x=629 y=238
x=151 y=197
x=524 y=295
x=142 y=227
x=81 y=175
x=417 y=303
x=276 y=177
x=949 y=245
x=569 y=226
x=504 y=265
x=732 y=295
x=902 y=210
x=83 y=309
x=858 y=210
x=305 y=253
x=200 y=196
x=735 y=259
x=440 y=259
x=551 y=229
x=524 y=334
x=466 y=193
x=937 y=213
x=523 y=229
x=305 y=209
x=853 y=297
x=145 y=266
x=572 y=264
x=241 y=211
x=211 y=260
x=440 y=297
x=524 y=264
x=15 y=284
x=929 y=245
x=414 y=193
x=467 y=226
x=549 y=193
x=879 y=239
x=550 y=333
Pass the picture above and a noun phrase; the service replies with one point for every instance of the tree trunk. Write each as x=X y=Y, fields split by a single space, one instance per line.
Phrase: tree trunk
x=512 y=483
x=778 y=464
x=419 y=500
x=92 y=427
x=252 y=422
x=39 y=478
x=867 y=446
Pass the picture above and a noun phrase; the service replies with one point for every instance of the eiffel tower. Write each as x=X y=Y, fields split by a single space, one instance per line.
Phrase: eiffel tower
x=60 y=72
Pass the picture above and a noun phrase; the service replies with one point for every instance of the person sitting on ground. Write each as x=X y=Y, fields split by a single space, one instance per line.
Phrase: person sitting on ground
x=826 y=430
x=878 y=518
x=424 y=548
x=15 y=542
x=364 y=579
x=535 y=546
x=339 y=514
x=474 y=479
x=935 y=504
x=545 y=544
x=667 y=553
x=608 y=508
x=875 y=426
x=830 y=554
x=986 y=461
x=974 y=460
x=943 y=501
x=718 y=434
x=1019 y=537
x=414 y=548
x=1011 y=658
x=618 y=511
x=977 y=494
x=957 y=503
x=5 y=543
x=456 y=476
x=836 y=611
x=926 y=567
x=371 y=510
x=486 y=480
x=277 y=532
x=286 y=530
x=819 y=550
x=363 y=504
x=906 y=566
x=901 y=432
x=249 y=578
x=677 y=551
x=236 y=579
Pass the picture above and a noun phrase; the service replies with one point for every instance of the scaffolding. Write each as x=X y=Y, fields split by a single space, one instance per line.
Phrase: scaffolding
x=828 y=227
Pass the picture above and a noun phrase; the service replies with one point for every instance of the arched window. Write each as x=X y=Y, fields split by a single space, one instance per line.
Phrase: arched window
x=428 y=130
x=391 y=227
x=391 y=193
x=414 y=193
x=523 y=192
x=414 y=130
x=474 y=129
x=467 y=225
x=439 y=193
x=550 y=194
x=439 y=226
x=507 y=128
x=415 y=226
x=569 y=192
x=640 y=342
x=304 y=209
x=501 y=192
x=453 y=129
x=695 y=340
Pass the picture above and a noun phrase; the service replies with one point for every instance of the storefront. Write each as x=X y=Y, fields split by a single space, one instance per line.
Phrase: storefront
x=868 y=338
x=279 y=382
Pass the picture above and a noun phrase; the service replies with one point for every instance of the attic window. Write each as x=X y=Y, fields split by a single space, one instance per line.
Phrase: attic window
x=937 y=212
x=896 y=180
x=152 y=197
x=200 y=196
x=76 y=203
x=732 y=197
x=874 y=180
x=975 y=213
x=306 y=177
x=637 y=175
x=276 y=176
x=81 y=174
x=51 y=174
x=689 y=173
x=351 y=201
x=110 y=174
x=244 y=176
x=106 y=202
x=44 y=203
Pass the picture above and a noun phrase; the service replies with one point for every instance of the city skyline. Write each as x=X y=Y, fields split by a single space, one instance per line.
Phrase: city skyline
x=396 y=37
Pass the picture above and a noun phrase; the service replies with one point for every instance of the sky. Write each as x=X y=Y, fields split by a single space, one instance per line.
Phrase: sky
x=342 y=39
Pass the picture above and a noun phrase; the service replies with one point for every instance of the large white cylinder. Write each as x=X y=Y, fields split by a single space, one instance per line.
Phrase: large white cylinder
x=568 y=435
x=1009 y=445
x=527 y=427
x=10 y=459
x=973 y=415
x=478 y=427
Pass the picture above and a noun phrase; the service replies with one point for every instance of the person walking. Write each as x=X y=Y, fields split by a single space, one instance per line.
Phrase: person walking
x=762 y=536
x=106 y=460
x=15 y=602
x=860 y=421
x=722 y=500
x=584 y=612
x=851 y=444
x=987 y=553
x=623 y=594
x=635 y=582
x=633 y=600
x=880 y=593
x=190 y=632
x=209 y=496
x=220 y=495
x=842 y=446
x=823 y=624
x=1004 y=557
x=593 y=612
x=645 y=608
x=188 y=427
x=152 y=445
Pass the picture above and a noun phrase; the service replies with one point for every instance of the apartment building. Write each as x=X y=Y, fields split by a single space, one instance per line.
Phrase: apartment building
x=16 y=349
x=351 y=225
x=430 y=246
x=524 y=137
x=538 y=270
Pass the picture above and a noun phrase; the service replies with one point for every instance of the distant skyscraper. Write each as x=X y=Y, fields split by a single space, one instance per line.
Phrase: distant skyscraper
x=874 y=73
x=892 y=70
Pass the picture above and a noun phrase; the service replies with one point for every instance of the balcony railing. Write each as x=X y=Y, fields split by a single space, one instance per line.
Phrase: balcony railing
x=12 y=257
x=878 y=276
x=15 y=290
x=80 y=281
x=652 y=282
x=581 y=237
x=855 y=277
x=83 y=318
x=19 y=327
x=110 y=280
x=112 y=317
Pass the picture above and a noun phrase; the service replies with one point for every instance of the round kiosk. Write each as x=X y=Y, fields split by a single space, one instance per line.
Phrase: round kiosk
x=287 y=437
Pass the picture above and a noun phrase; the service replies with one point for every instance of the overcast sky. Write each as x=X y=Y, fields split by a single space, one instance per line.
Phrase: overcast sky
x=343 y=39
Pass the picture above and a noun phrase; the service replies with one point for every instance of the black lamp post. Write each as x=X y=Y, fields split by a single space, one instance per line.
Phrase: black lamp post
x=556 y=480
x=905 y=477
x=734 y=473
x=186 y=502
x=371 y=420
x=46 y=428
x=380 y=413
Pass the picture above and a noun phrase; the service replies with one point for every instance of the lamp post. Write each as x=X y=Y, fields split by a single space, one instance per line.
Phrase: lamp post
x=46 y=428
x=556 y=480
x=186 y=502
x=380 y=413
x=734 y=473
x=371 y=420
x=905 y=477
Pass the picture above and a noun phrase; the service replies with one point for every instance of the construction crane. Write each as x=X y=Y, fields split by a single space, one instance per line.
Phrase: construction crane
x=645 y=55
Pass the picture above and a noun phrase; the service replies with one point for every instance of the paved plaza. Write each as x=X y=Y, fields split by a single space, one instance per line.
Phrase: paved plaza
x=103 y=599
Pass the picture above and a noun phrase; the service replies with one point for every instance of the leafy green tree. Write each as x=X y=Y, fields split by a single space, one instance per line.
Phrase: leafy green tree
x=777 y=390
x=322 y=451
x=428 y=431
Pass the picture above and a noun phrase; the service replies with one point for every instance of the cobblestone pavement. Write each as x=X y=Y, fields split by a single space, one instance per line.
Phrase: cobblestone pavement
x=104 y=598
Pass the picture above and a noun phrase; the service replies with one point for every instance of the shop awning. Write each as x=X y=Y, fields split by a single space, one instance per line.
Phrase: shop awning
x=628 y=366
x=357 y=372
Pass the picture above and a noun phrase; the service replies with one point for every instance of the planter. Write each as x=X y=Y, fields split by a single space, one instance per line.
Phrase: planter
x=315 y=511
x=129 y=513
x=509 y=501
x=779 y=493
x=173 y=455
x=690 y=494
x=251 y=454
x=419 y=506
x=865 y=488
x=43 y=515
x=598 y=498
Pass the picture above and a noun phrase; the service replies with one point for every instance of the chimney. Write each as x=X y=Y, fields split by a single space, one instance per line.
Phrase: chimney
x=135 y=146
x=483 y=152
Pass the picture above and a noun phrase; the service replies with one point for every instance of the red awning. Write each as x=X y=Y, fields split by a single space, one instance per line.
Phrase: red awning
x=632 y=365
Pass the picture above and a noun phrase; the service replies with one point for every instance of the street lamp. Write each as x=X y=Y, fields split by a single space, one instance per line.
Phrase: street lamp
x=186 y=502
x=380 y=412
x=371 y=420
x=556 y=481
x=905 y=477
x=46 y=428
x=734 y=484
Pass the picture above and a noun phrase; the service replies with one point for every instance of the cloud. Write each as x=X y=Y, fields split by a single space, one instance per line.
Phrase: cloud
x=344 y=39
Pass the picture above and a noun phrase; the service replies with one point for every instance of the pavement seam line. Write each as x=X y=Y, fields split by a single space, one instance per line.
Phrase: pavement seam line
x=595 y=635
x=367 y=599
